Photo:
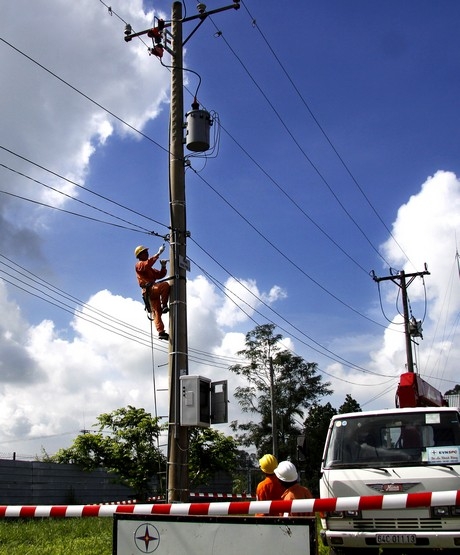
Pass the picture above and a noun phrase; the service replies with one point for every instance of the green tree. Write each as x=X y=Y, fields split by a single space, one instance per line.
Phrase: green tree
x=125 y=443
x=349 y=405
x=316 y=427
x=210 y=451
x=296 y=386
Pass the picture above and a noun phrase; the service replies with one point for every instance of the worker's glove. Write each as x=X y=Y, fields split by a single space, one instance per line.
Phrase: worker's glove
x=160 y=250
x=163 y=262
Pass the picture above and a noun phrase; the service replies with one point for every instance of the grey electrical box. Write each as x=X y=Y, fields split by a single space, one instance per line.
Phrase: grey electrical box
x=195 y=401
x=203 y=402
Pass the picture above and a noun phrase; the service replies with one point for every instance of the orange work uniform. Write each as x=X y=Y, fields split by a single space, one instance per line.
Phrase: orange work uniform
x=269 y=489
x=297 y=492
x=158 y=292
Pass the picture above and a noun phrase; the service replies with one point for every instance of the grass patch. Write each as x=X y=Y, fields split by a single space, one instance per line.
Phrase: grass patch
x=62 y=536
x=65 y=536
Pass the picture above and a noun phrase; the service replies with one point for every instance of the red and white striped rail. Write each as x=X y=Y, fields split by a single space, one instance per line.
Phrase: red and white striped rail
x=370 y=502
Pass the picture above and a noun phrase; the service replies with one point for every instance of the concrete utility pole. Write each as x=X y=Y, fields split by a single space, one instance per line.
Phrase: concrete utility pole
x=178 y=437
x=400 y=280
x=178 y=349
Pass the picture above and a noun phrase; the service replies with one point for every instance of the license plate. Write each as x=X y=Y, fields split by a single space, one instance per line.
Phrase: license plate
x=396 y=538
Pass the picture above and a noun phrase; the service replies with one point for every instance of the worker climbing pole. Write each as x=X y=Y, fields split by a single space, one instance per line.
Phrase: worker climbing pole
x=154 y=292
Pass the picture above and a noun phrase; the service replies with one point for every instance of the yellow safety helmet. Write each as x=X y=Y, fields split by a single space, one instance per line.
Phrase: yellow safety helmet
x=139 y=249
x=268 y=463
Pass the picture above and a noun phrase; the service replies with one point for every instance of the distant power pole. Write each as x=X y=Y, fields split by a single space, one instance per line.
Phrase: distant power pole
x=178 y=436
x=401 y=280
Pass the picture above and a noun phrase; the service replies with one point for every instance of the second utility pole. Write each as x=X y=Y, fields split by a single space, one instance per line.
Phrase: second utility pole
x=178 y=487
x=400 y=280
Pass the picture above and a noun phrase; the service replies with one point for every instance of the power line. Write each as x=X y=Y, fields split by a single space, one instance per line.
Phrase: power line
x=324 y=352
x=279 y=251
x=31 y=283
x=17 y=172
x=294 y=202
x=44 y=204
x=322 y=130
x=247 y=221
x=118 y=118
x=78 y=185
x=302 y=150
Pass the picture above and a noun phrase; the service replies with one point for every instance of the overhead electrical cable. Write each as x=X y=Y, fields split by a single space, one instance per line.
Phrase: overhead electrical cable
x=124 y=207
x=322 y=130
x=26 y=280
x=324 y=352
x=143 y=230
x=302 y=150
x=294 y=202
x=444 y=337
x=279 y=251
x=149 y=138
x=71 y=198
x=118 y=118
x=86 y=217
x=221 y=196
x=165 y=150
x=260 y=300
x=345 y=363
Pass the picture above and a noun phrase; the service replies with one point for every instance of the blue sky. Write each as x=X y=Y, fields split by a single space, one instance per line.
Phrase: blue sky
x=336 y=153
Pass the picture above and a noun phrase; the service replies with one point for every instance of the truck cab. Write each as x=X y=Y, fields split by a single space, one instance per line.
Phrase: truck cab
x=384 y=452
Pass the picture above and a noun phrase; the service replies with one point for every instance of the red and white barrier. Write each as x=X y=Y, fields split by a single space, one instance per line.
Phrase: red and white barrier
x=370 y=502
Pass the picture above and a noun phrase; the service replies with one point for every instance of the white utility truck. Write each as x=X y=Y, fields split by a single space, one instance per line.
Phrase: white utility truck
x=412 y=448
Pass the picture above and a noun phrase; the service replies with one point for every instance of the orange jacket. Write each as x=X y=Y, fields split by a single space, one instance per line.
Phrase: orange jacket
x=146 y=274
x=297 y=492
x=269 y=489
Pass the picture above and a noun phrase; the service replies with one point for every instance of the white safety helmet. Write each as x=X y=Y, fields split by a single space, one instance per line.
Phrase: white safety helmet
x=286 y=472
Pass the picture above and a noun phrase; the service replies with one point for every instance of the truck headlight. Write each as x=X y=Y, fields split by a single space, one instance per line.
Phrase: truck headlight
x=440 y=511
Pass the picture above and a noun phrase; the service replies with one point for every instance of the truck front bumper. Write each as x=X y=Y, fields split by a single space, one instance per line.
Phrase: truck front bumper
x=392 y=539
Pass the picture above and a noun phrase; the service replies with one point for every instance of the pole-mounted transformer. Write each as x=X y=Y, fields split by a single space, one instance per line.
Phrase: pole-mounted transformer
x=198 y=124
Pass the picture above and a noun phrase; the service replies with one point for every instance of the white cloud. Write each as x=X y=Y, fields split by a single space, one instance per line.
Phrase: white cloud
x=426 y=228
x=86 y=49
x=242 y=297
x=62 y=384
x=105 y=365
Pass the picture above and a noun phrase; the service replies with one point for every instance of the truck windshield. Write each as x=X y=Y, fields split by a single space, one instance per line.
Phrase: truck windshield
x=402 y=438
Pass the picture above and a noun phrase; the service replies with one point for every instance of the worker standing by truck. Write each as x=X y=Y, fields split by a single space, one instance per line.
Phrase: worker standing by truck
x=270 y=488
x=288 y=476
